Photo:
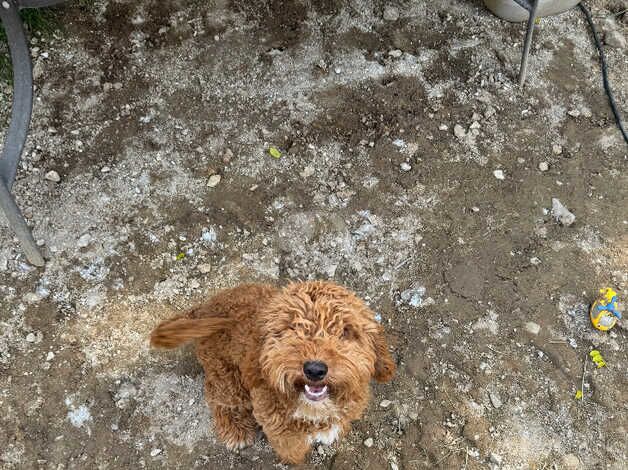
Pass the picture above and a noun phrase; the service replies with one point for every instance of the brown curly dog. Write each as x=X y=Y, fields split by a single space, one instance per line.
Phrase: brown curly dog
x=296 y=361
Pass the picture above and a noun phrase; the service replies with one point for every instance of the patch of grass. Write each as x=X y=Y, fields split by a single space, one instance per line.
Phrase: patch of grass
x=41 y=22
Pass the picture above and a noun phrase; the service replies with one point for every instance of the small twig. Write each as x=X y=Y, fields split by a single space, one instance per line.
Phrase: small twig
x=495 y=350
x=584 y=371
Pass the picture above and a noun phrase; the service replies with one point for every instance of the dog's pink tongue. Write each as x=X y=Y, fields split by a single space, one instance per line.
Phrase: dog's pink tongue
x=316 y=388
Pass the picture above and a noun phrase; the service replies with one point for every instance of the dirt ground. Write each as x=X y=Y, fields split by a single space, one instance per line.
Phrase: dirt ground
x=413 y=170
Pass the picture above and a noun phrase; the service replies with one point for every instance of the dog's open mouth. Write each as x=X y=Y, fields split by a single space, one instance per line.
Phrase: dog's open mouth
x=315 y=392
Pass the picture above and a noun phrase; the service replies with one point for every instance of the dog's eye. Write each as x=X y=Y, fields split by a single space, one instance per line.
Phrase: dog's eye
x=348 y=333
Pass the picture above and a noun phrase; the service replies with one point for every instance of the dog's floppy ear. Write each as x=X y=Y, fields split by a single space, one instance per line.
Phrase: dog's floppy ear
x=384 y=364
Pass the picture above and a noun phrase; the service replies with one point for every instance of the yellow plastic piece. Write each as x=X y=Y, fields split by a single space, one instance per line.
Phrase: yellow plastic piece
x=579 y=395
x=597 y=358
x=274 y=152
x=603 y=319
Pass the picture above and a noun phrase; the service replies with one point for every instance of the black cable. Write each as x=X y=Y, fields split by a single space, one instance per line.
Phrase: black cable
x=607 y=85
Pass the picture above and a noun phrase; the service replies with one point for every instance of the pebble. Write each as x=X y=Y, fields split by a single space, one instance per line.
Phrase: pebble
x=543 y=166
x=205 y=268
x=84 y=241
x=496 y=401
x=495 y=458
x=615 y=39
x=561 y=213
x=535 y=261
x=368 y=442
x=155 y=452
x=213 y=181
x=499 y=174
x=573 y=113
x=405 y=166
x=31 y=337
x=557 y=149
x=385 y=403
x=50 y=356
x=391 y=13
x=31 y=298
x=475 y=125
x=570 y=462
x=396 y=53
x=393 y=466
x=105 y=169
x=53 y=176
x=443 y=127
x=533 y=328
x=307 y=172
x=459 y=131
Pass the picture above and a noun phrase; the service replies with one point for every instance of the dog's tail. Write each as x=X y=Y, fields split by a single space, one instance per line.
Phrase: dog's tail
x=181 y=329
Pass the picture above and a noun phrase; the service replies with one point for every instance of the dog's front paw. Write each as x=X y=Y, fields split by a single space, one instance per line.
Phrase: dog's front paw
x=236 y=439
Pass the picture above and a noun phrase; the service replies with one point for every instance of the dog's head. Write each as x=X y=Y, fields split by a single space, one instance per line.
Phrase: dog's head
x=320 y=342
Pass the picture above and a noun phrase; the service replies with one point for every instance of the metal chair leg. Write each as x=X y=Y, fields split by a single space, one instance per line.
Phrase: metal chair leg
x=528 y=41
x=18 y=224
x=18 y=127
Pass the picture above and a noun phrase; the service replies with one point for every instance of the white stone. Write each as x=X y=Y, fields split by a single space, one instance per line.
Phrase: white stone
x=50 y=356
x=396 y=53
x=205 y=268
x=31 y=337
x=543 y=166
x=53 y=176
x=561 y=213
x=459 y=131
x=155 y=452
x=533 y=328
x=391 y=13
x=385 y=403
x=84 y=241
x=368 y=442
x=213 y=181
x=405 y=166
x=499 y=174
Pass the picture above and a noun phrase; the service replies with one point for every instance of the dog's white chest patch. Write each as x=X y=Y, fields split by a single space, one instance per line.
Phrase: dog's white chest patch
x=326 y=437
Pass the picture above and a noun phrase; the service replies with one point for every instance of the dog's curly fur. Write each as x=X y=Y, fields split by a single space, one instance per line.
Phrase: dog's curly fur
x=253 y=341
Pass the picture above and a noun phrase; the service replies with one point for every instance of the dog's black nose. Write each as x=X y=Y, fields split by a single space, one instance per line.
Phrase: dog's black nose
x=315 y=370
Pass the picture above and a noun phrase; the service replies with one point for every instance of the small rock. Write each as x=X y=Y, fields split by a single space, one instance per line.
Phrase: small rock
x=475 y=125
x=557 y=149
x=414 y=295
x=396 y=53
x=368 y=442
x=31 y=298
x=533 y=328
x=307 y=172
x=459 y=131
x=105 y=169
x=53 y=176
x=391 y=13
x=570 y=462
x=443 y=127
x=496 y=401
x=385 y=403
x=615 y=39
x=204 y=268
x=573 y=113
x=543 y=166
x=405 y=166
x=561 y=213
x=50 y=356
x=499 y=174
x=496 y=459
x=213 y=181
x=535 y=261
x=155 y=452
x=31 y=337
x=84 y=241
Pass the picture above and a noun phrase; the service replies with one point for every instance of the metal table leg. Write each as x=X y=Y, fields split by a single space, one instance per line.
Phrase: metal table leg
x=20 y=119
x=532 y=9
